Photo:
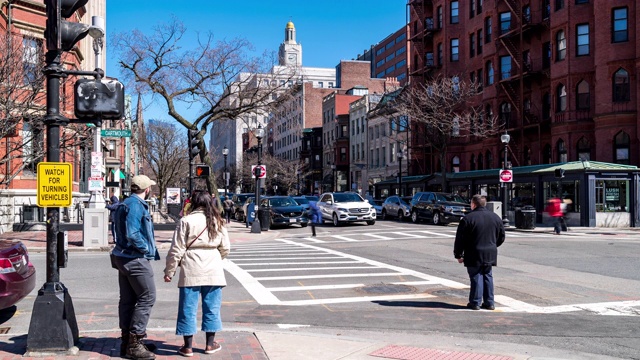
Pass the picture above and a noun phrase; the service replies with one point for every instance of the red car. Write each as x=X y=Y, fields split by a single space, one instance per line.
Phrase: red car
x=17 y=274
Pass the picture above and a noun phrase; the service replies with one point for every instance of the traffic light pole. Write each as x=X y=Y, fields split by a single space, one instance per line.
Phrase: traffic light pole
x=53 y=324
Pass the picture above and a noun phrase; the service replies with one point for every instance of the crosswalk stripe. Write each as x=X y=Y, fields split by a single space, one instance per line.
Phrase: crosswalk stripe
x=301 y=263
x=408 y=235
x=318 y=287
x=436 y=233
x=313 y=268
x=327 y=276
x=340 y=237
x=378 y=236
x=287 y=258
x=356 y=299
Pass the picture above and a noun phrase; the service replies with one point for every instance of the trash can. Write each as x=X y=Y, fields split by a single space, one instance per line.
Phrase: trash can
x=174 y=209
x=264 y=214
x=526 y=217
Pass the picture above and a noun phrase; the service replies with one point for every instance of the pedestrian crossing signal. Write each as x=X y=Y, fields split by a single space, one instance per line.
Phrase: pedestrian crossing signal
x=202 y=171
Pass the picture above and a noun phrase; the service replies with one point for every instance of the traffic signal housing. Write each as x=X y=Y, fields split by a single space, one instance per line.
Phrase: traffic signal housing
x=99 y=99
x=202 y=171
x=193 y=144
x=62 y=35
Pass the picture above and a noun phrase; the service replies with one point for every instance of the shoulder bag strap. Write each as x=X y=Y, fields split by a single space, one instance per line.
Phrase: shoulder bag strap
x=194 y=240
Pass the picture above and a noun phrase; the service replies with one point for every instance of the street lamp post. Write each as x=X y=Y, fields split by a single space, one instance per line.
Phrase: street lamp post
x=255 y=226
x=505 y=140
x=400 y=156
x=333 y=175
x=225 y=153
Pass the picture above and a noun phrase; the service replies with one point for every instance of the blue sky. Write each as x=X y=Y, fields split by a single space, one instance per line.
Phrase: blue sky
x=329 y=30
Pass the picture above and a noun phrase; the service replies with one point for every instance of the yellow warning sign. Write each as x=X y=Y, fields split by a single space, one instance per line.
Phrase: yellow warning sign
x=54 y=184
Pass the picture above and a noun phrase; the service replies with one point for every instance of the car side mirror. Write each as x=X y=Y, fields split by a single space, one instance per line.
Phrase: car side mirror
x=329 y=202
x=366 y=200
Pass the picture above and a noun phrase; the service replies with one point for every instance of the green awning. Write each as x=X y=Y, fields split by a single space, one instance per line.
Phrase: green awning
x=122 y=175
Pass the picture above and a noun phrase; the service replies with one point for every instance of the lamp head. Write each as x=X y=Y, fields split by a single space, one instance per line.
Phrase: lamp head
x=259 y=132
x=505 y=138
x=225 y=151
x=400 y=154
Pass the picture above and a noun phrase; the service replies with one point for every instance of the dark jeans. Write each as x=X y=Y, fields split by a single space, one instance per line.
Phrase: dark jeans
x=481 y=291
x=137 y=293
x=227 y=215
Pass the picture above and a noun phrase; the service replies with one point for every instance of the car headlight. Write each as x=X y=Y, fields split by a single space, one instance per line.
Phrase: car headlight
x=343 y=210
x=275 y=214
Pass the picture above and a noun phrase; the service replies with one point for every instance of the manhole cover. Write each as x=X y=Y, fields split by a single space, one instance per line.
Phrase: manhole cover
x=387 y=289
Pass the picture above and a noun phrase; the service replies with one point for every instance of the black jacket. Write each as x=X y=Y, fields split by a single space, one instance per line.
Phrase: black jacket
x=478 y=237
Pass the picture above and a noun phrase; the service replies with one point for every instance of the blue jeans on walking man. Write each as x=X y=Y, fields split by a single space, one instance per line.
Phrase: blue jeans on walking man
x=481 y=292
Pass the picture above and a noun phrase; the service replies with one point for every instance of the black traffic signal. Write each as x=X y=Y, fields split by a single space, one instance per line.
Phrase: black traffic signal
x=99 y=99
x=193 y=144
x=62 y=35
x=559 y=173
x=202 y=171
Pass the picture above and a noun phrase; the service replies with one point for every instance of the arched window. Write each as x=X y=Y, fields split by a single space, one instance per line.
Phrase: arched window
x=472 y=162
x=561 y=98
x=546 y=154
x=455 y=164
x=480 y=162
x=489 y=159
x=561 y=46
x=583 y=96
x=562 y=151
x=583 y=149
x=621 y=145
x=505 y=114
x=546 y=106
x=527 y=155
x=621 y=86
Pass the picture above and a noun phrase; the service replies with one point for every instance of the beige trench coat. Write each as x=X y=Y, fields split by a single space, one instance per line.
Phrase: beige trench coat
x=202 y=262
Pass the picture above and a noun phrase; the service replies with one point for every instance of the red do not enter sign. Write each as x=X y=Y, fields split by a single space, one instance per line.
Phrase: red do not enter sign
x=506 y=175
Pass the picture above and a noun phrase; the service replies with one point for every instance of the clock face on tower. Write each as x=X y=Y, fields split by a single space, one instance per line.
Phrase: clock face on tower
x=291 y=58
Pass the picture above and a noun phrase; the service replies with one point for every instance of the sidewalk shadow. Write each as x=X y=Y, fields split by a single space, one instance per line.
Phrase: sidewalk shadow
x=421 y=304
x=15 y=345
x=7 y=314
x=110 y=346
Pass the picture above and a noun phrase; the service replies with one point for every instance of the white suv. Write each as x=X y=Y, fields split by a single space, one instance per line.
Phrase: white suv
x=346 y=207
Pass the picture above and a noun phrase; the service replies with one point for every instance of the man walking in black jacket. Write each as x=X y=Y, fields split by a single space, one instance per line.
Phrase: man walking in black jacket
x=477 y=239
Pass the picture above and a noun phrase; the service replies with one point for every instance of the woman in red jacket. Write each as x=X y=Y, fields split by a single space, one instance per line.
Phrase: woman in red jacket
x=555 y=211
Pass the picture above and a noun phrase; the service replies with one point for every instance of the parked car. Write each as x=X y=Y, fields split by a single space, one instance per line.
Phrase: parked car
x=303 y=202
x=17 y=273
x=238 y=202
x=346 y=207
x=440 y=208
x=397 y=207
x=377 y=204
x=285 y=211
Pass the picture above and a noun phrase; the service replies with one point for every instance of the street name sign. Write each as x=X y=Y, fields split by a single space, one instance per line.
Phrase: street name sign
x=115 y=133
x=506 y=175
x=54 y=184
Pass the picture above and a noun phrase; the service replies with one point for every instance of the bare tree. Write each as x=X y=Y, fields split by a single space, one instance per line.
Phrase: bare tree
x=216 y=80
x=163 y=149
x=446 y=108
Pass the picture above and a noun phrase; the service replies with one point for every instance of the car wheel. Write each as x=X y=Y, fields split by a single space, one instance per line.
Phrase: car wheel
x=400 y=215
x=335 y=220
x=237 y=216
x=384 y=214
x=304 y=225
x=414 y=217
x=436 y=219
x=371 y=222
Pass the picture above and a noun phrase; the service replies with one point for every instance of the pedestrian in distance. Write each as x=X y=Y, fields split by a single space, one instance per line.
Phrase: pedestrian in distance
x=154 y=203
x=112 y=207
x=478 y=237
x=228 y=209
x=554 y=208
x=132 y=255
x=200 y=243
x=316 y=216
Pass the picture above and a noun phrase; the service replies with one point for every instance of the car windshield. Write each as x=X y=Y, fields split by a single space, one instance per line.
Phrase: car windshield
x=347 y=198
x=282 y=202
x=301 y=201
x=450 y=198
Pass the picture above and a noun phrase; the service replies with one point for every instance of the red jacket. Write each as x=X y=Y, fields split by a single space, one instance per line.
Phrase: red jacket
x=554 y=209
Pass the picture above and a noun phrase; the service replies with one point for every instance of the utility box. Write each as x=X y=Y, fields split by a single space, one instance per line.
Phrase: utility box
x=95 y=228
x=496 y=207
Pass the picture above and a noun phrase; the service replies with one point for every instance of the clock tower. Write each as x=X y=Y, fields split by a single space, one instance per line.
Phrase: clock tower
x=290 y=53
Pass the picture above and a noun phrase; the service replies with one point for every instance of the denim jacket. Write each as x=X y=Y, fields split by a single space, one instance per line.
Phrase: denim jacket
x=134 y=230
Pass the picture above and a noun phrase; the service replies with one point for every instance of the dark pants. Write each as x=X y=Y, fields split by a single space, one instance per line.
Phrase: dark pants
x=481 y=291
x=137 y=293
x=227 y=215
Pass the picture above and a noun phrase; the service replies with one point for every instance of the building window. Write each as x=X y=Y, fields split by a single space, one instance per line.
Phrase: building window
x=343 y=154
x=455 y=164
x=32 y=145
x=561 y=98
x=439 y=11
x=526 y=14
x=472 y=44
x=472 y=9
x=559 y=5
x=454 y=12
x=546 y=55
x=440 y=55
x=621 y=86
x=561 y=46
x=505 y=114
x=562 y=151
x=479 y=6
x=30 y=60
x=487 y=29
x=582 y=1
x=505 y=67
x=488 y=159
x=546 y=154
x=429 y=61
x=582 y=41
x=583 y=96
x=489 y=71
x=505 y=22
x=455 y=45
x=480 y=162
x=479 y=41
x=583 y=149
x=620 y=25
x=546 y=9
x=621 y=145
x=472 y=162
x=480 y=79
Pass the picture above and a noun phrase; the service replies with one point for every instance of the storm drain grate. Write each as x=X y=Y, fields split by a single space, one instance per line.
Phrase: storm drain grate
x=415 y=353
x=4 y=330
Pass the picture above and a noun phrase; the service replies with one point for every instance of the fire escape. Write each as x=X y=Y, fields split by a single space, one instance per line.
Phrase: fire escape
x=517 y=23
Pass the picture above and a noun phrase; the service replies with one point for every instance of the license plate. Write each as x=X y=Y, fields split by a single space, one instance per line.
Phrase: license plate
x=293 y=220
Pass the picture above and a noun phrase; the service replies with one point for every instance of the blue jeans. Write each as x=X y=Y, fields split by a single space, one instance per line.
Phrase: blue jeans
x=188 y=309
x=481 y=285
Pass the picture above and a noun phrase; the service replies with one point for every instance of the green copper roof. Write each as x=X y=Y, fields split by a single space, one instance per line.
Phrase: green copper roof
x=547 y=168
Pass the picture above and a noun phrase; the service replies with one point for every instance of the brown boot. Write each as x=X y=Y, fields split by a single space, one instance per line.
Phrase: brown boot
x=136 y=349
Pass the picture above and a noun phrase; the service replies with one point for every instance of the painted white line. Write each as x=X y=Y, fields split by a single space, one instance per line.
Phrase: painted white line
x=437 y=234
x=301 y=263
x=415 y=283
x=259 y=292
x=291 y=326
x=356 y=299
x=408 y=235
x=317 y=287
x=313 y=268
x=289 y=258
x=313 y=239
x=328 y=276
x=275 y=252
x=616 y=308
x=340 y=237
x=378 y=236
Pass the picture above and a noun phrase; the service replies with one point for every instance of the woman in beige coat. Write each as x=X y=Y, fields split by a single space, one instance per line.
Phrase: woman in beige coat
x=199 y=245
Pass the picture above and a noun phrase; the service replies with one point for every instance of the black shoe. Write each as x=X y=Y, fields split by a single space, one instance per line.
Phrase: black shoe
x=473 y=307
x=488 y=307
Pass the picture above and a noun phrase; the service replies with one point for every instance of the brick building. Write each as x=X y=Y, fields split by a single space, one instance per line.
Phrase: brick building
x=560 y=75
x=390 y=57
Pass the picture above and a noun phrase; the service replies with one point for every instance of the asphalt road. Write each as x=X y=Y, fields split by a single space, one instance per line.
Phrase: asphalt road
x=567 y=292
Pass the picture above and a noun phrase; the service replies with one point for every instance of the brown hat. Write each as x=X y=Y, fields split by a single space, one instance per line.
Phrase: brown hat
x=141 y=182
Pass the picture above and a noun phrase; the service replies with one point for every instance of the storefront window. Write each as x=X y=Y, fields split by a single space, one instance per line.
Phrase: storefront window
x=522 y=195
x=612 y=196
x=565 y=190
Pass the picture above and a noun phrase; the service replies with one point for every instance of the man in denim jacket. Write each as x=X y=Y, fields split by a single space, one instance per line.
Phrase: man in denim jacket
x=134 y=250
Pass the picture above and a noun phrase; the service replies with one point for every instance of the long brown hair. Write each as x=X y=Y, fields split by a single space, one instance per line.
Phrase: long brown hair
x=202 y=200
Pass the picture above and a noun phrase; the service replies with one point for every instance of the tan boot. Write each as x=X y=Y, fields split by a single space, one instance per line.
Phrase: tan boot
x=136 y=349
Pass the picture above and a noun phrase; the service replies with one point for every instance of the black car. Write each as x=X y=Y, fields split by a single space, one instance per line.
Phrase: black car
x=440 y=208
x=238 y=203
x=285 y=211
